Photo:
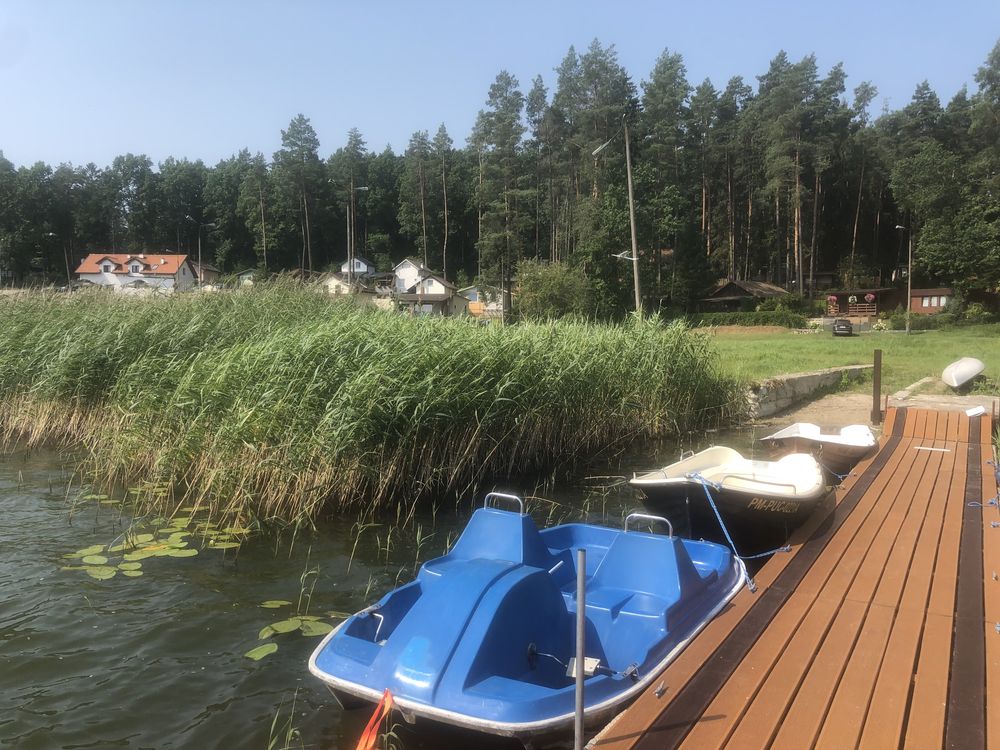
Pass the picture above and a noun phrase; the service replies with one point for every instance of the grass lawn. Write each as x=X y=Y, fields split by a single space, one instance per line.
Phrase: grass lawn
x=905 y=359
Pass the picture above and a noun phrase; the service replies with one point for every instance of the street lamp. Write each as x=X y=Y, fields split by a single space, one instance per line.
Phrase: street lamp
x=210 y=225
x=631 y=209
x=909 y=273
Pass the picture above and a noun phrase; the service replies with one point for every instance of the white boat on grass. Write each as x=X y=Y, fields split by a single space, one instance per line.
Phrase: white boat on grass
x=961 y=371
x=837 y=452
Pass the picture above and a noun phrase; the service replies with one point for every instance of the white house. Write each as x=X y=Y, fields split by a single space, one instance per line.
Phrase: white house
x=407 y=273
x=362 y=267
x=129 y=272
x=429 y=294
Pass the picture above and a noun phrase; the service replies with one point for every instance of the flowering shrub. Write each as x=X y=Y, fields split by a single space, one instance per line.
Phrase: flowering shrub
x=869 y=298
x=832 y=299
x=880 y=325
x=853 y=299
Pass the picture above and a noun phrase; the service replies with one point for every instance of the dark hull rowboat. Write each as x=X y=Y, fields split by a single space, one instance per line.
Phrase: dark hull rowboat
x=759 y=501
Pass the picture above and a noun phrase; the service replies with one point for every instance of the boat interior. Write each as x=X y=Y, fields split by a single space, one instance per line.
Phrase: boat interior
x=792 y=475
x=641 y=590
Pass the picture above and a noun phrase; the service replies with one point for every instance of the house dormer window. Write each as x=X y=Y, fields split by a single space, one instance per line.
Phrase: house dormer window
x=135 y=268
x=106 y=267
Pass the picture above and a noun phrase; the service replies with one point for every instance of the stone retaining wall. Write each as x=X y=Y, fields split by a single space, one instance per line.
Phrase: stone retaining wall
x=773 y=395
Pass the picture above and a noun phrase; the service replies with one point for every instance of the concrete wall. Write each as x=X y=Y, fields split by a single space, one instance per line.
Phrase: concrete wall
x=774 y=395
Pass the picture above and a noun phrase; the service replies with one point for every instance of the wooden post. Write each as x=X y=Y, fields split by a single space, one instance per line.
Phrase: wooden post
x=877 y=389
x=581 y=629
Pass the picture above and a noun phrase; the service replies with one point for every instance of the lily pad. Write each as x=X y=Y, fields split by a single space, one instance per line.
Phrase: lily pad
x=172 y=530
x=95 y=560
x=265 y=632
x=142 y=538
x=223 y=545
x=73 y=567
x=307 y=617
x=101 y=572
x=129 y=566
x=88 y=551
x=235 y=530
x=274 y=603
x=140 y=554
x=286 y=626
x=182 y=553
x=312 y=627
x=132 y=573
x=261 y=651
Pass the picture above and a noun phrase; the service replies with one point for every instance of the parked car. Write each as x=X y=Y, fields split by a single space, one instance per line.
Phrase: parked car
x=842 y=327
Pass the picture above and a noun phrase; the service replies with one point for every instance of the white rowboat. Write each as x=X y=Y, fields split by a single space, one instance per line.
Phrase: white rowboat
x=960 y=372
x=836 y=451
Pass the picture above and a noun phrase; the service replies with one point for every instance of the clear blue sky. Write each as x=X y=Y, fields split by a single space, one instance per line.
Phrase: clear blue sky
x=87 y=80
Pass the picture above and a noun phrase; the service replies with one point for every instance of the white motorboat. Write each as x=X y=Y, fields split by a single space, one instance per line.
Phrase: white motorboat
x=961 y=371
x=749 y=494
x=837 y=452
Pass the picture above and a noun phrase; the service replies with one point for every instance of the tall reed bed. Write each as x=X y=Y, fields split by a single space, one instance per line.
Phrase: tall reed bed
x=278 y=403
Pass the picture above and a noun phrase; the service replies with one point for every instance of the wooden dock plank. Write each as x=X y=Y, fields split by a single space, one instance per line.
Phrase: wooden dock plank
x=703 y=653
x=736 y=694
x=965 y=723
x=884 y=725
x=883 y=580
x=926 y=715
x=925 y=720
x=951 y=431
x=854 y=637
x=991 y=583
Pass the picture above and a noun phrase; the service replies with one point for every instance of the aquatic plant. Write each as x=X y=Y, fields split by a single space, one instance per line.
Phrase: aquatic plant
x=278 y=403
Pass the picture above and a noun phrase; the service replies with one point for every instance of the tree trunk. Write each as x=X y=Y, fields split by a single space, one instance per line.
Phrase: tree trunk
x=817 y=196
x=857 y=217
x=732 y=218
x=479 y=220
x=797 y=228
x=423 y=210
x=263 y=228
x=444 y=245
x=309 y=247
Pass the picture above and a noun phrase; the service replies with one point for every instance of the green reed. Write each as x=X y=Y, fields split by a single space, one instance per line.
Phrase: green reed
x=279 y=403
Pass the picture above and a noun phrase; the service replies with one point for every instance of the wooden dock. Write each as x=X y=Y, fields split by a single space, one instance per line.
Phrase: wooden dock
x=880 y=629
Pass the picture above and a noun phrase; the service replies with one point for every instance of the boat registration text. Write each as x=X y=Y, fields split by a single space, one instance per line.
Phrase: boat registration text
x=772 y=505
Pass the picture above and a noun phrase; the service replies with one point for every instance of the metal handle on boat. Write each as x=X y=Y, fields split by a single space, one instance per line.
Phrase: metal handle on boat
x=504 y=496
x=686 y=454
x=648 y=517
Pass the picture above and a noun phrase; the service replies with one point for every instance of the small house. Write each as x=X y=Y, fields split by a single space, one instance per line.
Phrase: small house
x=362 y=267
x=930 y=301
x=740 y=294
x=151 y=272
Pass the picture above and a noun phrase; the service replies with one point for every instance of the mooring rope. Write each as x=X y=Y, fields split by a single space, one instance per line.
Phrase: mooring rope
x=705 y=484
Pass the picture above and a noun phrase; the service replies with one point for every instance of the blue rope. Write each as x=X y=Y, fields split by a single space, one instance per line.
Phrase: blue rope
x=705 y=484
x=840 y=477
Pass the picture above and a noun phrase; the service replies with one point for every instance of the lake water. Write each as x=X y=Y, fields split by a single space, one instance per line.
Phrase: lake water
x=158 y=661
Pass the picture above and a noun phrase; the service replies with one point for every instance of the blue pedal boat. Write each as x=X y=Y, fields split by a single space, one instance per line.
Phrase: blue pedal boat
x=483 y=637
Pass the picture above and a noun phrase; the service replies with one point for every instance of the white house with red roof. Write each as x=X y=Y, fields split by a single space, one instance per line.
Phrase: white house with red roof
x=129 y=272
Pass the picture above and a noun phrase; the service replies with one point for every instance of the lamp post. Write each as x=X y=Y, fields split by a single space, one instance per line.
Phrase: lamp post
x=211 y=225
x=909 y=273
x=631 y=209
